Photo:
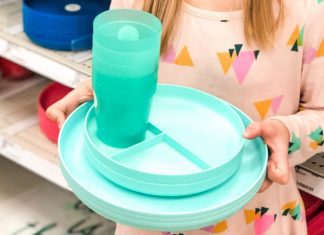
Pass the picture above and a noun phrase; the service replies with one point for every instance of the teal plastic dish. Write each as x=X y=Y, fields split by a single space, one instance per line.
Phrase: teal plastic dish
x=194 y=145
x=156 y=212
x=125 y=60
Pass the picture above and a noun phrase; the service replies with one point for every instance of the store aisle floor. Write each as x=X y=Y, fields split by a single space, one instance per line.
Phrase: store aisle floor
x=30 y=205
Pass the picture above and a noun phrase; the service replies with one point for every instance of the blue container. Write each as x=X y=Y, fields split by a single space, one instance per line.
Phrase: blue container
x=62 y=24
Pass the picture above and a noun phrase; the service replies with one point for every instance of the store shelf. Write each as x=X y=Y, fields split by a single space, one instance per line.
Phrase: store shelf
x=68 y=68
x=20 y=137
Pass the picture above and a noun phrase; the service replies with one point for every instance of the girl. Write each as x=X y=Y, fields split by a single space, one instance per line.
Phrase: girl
x=267 y=58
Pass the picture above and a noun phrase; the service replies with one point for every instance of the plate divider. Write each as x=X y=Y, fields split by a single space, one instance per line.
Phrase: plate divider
x=190 y=156
x=138 y=147
x=159 y=138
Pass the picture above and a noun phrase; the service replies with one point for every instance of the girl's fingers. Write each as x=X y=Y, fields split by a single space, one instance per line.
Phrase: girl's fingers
x=278 y=170
x=278 y=160
x=64 y=107
x=76 y=97
x=253 y=130
x=56 y=114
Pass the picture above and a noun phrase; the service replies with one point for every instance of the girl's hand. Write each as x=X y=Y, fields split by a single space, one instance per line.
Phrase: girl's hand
x=276 y=135
x=62 y=108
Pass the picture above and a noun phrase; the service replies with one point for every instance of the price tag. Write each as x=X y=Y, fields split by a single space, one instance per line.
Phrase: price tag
x=5 y=2
x=3 y=46
x=12 y=152
x=1 y=142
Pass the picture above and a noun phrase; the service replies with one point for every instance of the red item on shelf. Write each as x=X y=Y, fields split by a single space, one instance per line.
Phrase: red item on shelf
x=312 y=204
x=13 y=71
x=49 y=95
x=316 y=225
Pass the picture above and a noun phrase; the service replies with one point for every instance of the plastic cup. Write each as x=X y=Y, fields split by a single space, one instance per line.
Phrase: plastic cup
x=126 y=51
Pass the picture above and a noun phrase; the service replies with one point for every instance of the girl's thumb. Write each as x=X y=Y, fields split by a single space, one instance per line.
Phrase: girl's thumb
x=252 y=131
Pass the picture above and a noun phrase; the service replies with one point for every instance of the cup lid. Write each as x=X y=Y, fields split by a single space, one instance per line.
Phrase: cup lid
x=127 y=30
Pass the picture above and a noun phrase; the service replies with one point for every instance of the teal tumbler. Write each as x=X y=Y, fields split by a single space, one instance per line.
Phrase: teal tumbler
x=126 y=51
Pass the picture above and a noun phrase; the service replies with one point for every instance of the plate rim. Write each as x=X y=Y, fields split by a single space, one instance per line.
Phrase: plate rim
x=250 y=188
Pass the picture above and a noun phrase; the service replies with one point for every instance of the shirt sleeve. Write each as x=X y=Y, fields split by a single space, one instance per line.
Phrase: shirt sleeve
x=127 y=4
x=306 y=126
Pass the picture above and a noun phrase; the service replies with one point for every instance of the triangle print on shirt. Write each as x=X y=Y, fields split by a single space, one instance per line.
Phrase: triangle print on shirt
x=262 y=220
x=296 y=38
x=316 y=137
x=240 y=61
x=183 y=58
x=313 y=53
x=293 y=209
x=294 y=144
x=263 y=106
x=217 y=228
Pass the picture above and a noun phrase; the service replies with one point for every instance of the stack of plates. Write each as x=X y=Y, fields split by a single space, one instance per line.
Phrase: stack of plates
x=61 y=24
x=193 y=169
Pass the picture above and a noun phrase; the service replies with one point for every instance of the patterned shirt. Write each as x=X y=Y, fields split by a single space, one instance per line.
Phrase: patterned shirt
x=209 y=53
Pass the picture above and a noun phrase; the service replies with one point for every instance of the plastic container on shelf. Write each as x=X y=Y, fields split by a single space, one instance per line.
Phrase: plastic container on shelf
x=13 y=72
x=126 y=49
x=48 y=96
x=61 y=24
x=312 y=204
x=316 y=225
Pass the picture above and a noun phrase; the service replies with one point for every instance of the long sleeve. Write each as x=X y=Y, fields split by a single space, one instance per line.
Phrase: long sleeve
x=306 y=126
x=208 y=51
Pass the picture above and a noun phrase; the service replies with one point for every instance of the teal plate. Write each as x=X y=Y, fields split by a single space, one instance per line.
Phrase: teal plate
x=157 y=212
x=192 y=144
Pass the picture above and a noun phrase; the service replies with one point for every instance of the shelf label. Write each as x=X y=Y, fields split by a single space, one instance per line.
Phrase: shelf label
x=15 y=29
x=3 y=46
x=1 y=142
x=20 y=126
x=23 y=85
x=5 y=2
x=11 y=151
x=41 y=64
x=310 y=183
x=81 y=57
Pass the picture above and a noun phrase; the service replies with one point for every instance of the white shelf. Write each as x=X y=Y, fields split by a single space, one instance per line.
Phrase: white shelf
x=20 y=137
x=68 y=68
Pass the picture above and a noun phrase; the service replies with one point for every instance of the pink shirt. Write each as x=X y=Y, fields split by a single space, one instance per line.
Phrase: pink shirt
x=209 y=53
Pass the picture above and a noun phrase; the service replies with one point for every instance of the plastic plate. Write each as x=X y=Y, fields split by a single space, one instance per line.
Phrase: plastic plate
x=157 y=212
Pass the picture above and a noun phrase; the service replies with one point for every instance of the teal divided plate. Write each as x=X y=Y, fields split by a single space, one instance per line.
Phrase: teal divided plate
x=157 y=212
x=193 y=143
